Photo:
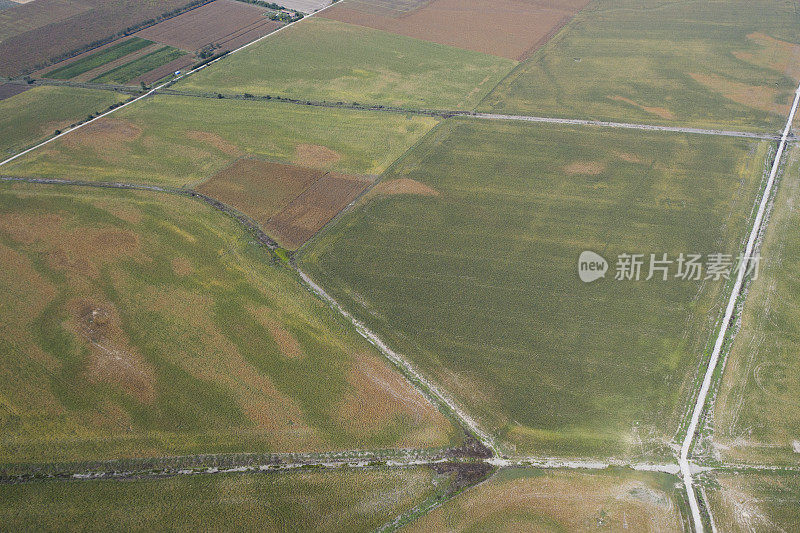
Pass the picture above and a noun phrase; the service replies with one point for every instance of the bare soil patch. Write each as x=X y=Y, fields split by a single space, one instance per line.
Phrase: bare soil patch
x=778 y=55
x=226 y=23
x=314 y=155
x=84 y=251
x=214 y=140
x=380 y=395
x=572 y=501
x=402 y=186
x=658 y=111
x=112 y=359
x=7 y=90
x=257 y=188
x=506 y=28
x=630 y=158
x=390 y=8
x=591 y=168
x=758 y=97
x=128 y=212
x=106 y=134
x=305 y=6
x=286 y=342
x=182 y=266
x=27 y=230
x=314 y=208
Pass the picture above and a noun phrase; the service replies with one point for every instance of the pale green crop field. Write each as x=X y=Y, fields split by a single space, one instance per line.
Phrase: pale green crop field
x=35 y=114
x=322 y=59
x=722 y=64
x=756 y=417
x=472 y=274
x=182 y=141
x=139 y=325
x=293 y=501
x=754 y=501
x=563 y=500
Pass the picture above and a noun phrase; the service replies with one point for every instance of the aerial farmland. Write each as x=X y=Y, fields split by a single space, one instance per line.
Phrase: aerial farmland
x=418 y=265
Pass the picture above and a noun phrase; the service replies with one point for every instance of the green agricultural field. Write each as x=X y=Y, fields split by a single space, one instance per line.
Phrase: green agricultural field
x=464 y=258
x=754 y=501
x=298 y=501
x=322 y=59
x=35 y=114
x=756 y=415
x=563 y=500
x=138 y=325
x=137 y=67
x=97 y=59
x=179 y=141
x=714 y=64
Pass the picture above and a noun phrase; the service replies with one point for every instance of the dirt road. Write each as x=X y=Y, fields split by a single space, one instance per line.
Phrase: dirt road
x=686 y=467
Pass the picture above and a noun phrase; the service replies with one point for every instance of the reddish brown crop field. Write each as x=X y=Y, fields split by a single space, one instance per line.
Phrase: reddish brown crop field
x=507 y=28
x=260 y=189
x=227 y=23
x=291 y=202
x=32 y=34
x=314 y=208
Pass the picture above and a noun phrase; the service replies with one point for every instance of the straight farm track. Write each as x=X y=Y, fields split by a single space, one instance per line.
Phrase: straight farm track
x=700 y=402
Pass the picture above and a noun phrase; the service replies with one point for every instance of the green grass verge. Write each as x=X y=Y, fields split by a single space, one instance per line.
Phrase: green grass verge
x=562 y=500
x=99 y=58
x=137 y=67
x=35 y=114
x=346 y=500
x=754 y=501
x=141 y=325
x=176 y=140
x=321 y=59
x=710 y=64
x=756 y=419
x=476 y=280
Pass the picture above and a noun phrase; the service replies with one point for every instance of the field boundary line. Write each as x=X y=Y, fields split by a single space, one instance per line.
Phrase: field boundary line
x=625 y=125
x=378 y=179
x=700 y=402
x=155 y=89
x=450 y=113
x=426 y=386
x=250 y=224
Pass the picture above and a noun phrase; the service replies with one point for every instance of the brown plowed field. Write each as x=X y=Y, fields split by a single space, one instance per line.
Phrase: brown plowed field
x=34 y=33
x=506 y=28
x=291 y=202
x=259 y=189
x=314 y=208
x=227 y=23
x=7 y=90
